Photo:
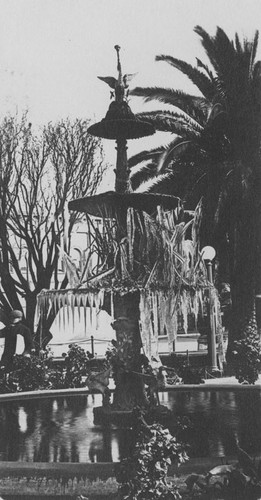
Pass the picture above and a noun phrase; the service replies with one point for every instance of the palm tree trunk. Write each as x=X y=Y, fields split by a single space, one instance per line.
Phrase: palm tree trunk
x=258 y=237
x=243 y=271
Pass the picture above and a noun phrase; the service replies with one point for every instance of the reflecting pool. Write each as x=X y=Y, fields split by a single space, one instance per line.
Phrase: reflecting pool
x=62 y=429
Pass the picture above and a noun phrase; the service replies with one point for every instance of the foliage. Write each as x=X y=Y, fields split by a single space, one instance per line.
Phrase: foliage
x=39 y=174
x=190 y=375
x=28 y=374
x=247 y=356
x=144 y=474
x=160 y=251
x=209 y=126
x=215 y=154
x=114 y=360
x=77 y=367
x=240 y=481
x=38 y=372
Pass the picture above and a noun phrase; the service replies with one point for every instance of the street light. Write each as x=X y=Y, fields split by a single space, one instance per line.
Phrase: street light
x=208 y=254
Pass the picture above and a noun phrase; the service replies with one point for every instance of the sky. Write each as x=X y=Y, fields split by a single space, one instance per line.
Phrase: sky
x=51 y=51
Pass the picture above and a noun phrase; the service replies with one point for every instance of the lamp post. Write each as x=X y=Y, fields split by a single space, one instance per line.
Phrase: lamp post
x=208 y=253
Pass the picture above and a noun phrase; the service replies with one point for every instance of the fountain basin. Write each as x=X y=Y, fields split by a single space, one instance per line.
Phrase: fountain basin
x=49 y=441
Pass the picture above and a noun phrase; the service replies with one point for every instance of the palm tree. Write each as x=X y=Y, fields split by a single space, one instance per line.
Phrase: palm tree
x=217 y=136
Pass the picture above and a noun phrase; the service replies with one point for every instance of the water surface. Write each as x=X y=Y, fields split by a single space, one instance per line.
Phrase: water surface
x=62 y=429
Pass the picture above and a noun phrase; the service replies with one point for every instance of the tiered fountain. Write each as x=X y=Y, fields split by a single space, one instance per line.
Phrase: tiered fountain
x=145 y=273
x=120 y=124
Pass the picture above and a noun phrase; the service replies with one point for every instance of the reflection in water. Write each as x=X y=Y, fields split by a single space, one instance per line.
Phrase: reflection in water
x=219 y=419
x=62 y=429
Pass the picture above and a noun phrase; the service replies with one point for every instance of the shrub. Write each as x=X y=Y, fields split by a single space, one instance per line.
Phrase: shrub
x=144 y=474
x=247 y=356
x=39 y=372
x=28 y=374
x=239 y=481
x=188 y=374
x=77 y=367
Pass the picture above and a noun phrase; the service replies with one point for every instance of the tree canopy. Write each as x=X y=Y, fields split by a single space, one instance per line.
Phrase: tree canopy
x=215 y=154
x=39 y=174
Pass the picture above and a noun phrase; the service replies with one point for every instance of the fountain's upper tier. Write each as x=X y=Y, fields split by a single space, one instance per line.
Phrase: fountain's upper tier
x=110 y=203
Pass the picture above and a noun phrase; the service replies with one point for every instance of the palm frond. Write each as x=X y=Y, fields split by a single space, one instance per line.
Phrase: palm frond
x=194 y=106
x=238 y=45
x=152 y=163
x=142 y=172
x=153 y=184
x=175 y=148
x=256 y=88
x=202 y=82
x=150 y=155
x=206 y=68
x=210 y=46
x=164 y=120
x=224 y=44
x=254 y=46
x=222 y=54
x=185 y=131
x=173 y=122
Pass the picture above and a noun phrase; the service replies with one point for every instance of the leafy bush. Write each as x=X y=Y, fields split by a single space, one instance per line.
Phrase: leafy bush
x=38 y=372
x=247 y=356
x=190 y=375
x=77 y=367
x=143 y=475
x=114 y=360
x=240 y=481
x=28 y=374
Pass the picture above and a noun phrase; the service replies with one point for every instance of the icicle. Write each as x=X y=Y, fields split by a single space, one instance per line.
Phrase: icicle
x=78 y=302
x=66 y=227
x=50 y=305
x=91 y=301
x=67 y=299
x=97 y=309
x=184 y=311
x=170 y=309
x=112 y=305
x=155 y=341
x=40 y=305
x=160 y=214
x=145 y=323
x=148 y=240
x=196 y=309
x=161 y=313
x=84 y=299
x=45 y=302
x=101 y=298
x=64 y=309
x=155 y=312
x=38 y=308
x=175 y=324
x=123 y=259
x=54 y=305
x=130 y=237
x=72 y=300
x=59 y=310
x=200 y=301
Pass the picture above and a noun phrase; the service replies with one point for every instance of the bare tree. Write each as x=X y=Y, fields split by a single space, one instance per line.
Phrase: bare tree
x=38 y=176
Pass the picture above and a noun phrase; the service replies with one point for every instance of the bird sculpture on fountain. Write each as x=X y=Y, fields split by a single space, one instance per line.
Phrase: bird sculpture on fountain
x=120 y=85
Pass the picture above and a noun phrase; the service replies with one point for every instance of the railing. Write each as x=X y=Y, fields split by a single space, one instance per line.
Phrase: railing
x=91 y=340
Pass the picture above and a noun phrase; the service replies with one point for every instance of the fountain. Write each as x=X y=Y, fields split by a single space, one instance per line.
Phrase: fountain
x=146 y=274
x=147 y=279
